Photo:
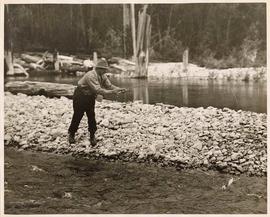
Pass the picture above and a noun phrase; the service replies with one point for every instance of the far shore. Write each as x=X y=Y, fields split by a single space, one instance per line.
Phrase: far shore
x=176 y=70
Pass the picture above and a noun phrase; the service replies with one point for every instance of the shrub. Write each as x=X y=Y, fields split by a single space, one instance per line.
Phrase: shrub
x=171 y=48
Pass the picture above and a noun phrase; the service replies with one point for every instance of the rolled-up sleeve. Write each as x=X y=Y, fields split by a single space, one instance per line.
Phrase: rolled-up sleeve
x=94 y=85
x=107 y=83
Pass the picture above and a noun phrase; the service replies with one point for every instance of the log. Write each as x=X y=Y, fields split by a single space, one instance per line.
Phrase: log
x=30 y=59
x=20 y=70
x=121 y=68
x=62 y=57
x=36 y=66
x=120 y=61
x=71 y=62
x=73 y=68
x=40 y=88
x=121 y=65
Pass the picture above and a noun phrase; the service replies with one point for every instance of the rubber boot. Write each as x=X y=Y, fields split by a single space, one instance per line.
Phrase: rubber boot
x=71 y=138
x=93 y=140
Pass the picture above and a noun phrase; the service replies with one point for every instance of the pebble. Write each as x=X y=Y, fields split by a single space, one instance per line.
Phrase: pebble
x=190 y=137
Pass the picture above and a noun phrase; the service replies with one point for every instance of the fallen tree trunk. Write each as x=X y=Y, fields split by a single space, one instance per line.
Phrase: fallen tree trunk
x=40 y=88
x=30 y=59
x=20 y=70
x=73 y=68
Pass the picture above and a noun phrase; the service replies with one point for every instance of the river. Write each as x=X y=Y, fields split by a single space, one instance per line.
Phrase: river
x=248 y=96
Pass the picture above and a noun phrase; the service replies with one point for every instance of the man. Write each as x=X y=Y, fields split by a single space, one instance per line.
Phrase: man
x=93 y=83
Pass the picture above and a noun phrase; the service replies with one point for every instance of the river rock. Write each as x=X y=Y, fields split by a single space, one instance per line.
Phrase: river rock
x=234 y=156
x=190 y=137
x=198 y=145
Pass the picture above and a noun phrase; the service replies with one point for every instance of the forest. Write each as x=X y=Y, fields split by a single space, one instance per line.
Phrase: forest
x=218 y=35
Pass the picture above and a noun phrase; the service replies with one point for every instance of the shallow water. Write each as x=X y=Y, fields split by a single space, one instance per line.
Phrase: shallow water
x=249 y=96
x=39 y=183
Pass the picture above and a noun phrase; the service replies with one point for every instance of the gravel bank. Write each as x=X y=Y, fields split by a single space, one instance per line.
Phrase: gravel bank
x=176 y=70
x=227 y=140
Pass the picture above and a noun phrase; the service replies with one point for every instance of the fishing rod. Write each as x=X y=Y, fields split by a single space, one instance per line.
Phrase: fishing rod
x=130 y=89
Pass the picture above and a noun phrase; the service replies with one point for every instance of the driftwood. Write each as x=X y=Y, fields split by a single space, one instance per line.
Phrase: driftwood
x=117 y=67
x=73 y=65
x=73 y=68
x=40 y=88
x=20 y=70
x=30 y=59
x=122 y=65
x=14 y=68
x=57 y=62
x=67 y=58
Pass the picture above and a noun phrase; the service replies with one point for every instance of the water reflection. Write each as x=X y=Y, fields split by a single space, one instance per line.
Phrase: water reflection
x=184 y=92
x=198 y=93
x=140 y=92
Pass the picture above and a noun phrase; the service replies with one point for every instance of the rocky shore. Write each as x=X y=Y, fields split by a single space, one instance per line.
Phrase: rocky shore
x=221 y=139
x=176 y=70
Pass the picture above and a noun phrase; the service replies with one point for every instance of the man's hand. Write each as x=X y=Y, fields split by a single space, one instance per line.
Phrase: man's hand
x=122 y=90
x=119 y=90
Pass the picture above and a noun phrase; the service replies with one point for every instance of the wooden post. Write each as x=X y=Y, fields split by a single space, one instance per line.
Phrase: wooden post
x=56 y=62
x=9 y=62
x=185 y=61
x=143 y=41
x=144 y=26
x=139 y=30
x=133 y=29
x=148 y=38
x=124 y=29
x=95 y=58
x=8 y=42
x=126 y=24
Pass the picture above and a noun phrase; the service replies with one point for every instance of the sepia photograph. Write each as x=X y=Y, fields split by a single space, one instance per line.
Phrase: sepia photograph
x=135 y=108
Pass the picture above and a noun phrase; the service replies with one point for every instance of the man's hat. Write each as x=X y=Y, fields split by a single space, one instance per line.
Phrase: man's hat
x=102 y=64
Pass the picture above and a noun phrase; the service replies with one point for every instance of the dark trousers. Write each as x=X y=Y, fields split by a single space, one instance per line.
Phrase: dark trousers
x=83 y=104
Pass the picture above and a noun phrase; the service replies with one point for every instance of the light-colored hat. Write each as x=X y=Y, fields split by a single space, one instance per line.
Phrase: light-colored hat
x=102 y=64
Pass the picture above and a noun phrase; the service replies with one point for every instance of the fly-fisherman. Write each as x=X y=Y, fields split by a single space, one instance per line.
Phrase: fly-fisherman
x=94 y=83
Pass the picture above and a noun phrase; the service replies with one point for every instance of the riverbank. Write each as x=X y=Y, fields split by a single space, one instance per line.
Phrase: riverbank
x=126 y=69
x=176 y=70
x=42 y=183
x=211 y=139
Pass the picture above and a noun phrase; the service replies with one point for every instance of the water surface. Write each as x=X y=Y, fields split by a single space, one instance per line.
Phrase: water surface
x=249 y=96
x=39 y=183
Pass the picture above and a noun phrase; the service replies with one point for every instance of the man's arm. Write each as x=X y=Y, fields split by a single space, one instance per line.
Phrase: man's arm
x=108 y=85
x=95 y=86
